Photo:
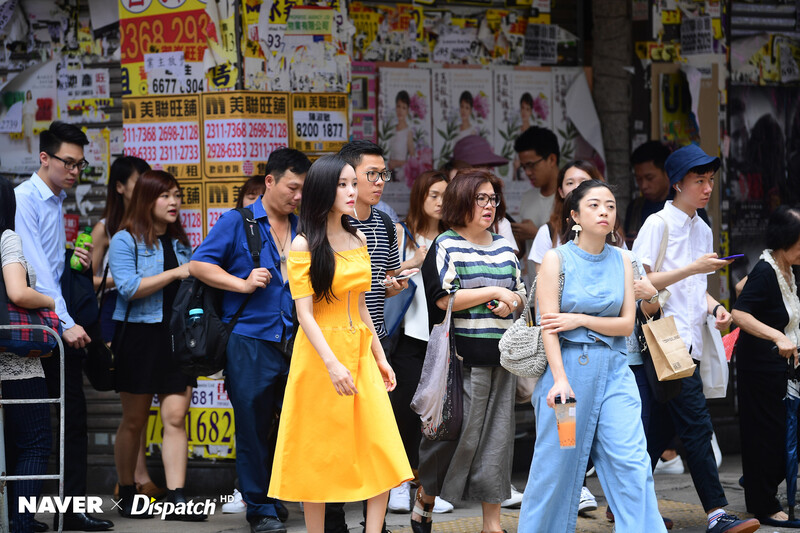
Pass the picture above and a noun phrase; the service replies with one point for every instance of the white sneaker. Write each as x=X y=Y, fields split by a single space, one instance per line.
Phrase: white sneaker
x=442 y=506
x=717 y=451
x=514 y=500
x=587 y=502
x=236 y=506
x=400 y=498
x=673 y=466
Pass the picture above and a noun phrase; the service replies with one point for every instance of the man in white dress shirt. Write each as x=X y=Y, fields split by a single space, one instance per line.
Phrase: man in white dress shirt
x=40 y=225
x=689 y=259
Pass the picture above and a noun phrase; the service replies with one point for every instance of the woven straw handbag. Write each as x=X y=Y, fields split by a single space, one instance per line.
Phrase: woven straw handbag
x=521 y=346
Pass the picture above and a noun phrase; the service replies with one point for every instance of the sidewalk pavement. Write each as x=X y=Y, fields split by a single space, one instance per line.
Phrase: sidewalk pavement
x=677 y=500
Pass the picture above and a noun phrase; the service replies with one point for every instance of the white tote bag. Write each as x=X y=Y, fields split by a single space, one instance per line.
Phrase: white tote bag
x=713 y=364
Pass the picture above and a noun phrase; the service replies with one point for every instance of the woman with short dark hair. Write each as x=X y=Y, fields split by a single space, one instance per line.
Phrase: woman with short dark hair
x=479 y=268
x=148 y=257
x=768 y=313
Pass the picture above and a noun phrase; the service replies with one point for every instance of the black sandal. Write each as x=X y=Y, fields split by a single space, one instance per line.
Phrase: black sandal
x=425 y=511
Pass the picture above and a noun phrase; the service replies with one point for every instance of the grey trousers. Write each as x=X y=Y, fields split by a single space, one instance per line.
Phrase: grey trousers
x=477 y=466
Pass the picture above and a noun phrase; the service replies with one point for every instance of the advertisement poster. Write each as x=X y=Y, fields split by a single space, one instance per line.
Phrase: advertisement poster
x=319 y=122
x=240 y=130
x=220 y=197
x=83 y=95
x=29 y=104
x=192 y=212
x=462 y=106
x=209 y=422
x=678 y=123
x=523 y=98
x=165 y=132
x=404 y=129
x=98 y=154
x=151 y=28
x=364 y=105
x=763 y=164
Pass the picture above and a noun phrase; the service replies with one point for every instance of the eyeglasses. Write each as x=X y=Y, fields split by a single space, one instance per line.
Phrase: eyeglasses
x=71 y=165
x=484 y=199
x=374 y=175
x=530 y=165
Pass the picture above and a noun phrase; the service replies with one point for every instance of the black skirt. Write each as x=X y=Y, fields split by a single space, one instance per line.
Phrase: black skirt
x=144 y=360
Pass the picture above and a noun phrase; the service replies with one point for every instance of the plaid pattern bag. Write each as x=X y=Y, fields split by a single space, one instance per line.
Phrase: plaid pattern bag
x=26 y=342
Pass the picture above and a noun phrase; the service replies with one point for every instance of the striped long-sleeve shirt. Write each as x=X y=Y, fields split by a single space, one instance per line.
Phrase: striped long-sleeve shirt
x=456 y=263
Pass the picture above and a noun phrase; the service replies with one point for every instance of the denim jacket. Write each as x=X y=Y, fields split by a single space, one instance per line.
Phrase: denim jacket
x=128 y=271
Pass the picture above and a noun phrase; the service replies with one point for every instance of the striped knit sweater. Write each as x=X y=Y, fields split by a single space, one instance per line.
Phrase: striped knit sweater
x=460 y=264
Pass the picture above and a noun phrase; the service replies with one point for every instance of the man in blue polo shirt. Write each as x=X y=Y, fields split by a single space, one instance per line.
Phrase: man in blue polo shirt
x=257 y=365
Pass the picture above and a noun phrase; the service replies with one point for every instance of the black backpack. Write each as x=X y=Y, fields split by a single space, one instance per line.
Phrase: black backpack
x=199 y=344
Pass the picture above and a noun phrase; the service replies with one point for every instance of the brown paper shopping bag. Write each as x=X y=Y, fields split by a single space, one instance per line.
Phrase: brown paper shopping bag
x=670 y=357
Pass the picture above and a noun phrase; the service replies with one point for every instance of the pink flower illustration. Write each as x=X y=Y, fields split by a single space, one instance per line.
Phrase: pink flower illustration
x=480 y=105
x=419 y=108
x=540 y=107
x=421 y=162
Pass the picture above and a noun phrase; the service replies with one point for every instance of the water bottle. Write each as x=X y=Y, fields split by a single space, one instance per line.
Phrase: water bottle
x=81 y=242
x=195 y=316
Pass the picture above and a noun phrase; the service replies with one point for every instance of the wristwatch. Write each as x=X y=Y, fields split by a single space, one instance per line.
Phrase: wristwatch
x=653 y=299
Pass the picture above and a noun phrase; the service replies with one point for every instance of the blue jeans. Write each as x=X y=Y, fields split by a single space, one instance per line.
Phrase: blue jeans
x=256 y=377
x=687 y=417
x=608 y=428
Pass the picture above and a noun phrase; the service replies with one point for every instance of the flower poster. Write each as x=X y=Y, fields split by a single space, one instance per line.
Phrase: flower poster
x=404 y=129
x=523 y=98
x=462 y=106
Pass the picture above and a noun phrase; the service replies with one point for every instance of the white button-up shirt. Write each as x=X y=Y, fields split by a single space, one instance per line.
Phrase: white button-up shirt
x=40 y=224
x=689 y=238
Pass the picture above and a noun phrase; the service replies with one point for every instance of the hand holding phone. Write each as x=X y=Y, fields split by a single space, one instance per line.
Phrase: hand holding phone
x=405 y=274
x=731 y=257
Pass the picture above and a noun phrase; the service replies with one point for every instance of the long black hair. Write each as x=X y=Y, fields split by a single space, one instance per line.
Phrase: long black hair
x=572 y=203
x=121 y=170
x=8 y=205
x=319 y=193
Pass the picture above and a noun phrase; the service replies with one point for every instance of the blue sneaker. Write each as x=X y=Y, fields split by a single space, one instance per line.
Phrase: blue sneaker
x=729 y=523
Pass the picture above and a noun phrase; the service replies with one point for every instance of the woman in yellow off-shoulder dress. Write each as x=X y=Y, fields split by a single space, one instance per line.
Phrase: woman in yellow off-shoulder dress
x=338 y=439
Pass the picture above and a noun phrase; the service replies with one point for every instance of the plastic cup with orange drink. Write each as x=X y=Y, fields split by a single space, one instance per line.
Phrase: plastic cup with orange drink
x=565 y=418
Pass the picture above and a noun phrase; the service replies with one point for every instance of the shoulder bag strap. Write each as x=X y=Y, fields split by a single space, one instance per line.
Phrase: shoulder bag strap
x=662 y=252
x=407 y=235
x=130 y=302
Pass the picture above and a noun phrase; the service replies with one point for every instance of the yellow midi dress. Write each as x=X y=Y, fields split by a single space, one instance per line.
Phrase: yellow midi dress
x=335 y=448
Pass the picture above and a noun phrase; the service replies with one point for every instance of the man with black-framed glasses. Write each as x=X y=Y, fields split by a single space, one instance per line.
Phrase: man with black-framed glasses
x=40 y=224
x=538 y=152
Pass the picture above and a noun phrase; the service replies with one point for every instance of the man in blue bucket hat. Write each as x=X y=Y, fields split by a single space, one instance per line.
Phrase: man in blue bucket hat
x=689 y=258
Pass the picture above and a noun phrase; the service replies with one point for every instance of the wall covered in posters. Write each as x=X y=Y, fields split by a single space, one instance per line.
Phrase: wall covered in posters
x=404 y=129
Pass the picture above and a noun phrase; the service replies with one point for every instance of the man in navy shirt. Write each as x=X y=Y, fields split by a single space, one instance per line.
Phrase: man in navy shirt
x=257 y=365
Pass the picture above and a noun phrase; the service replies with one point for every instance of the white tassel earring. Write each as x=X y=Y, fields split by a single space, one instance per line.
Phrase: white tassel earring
x=577 y=229
x=613 y=236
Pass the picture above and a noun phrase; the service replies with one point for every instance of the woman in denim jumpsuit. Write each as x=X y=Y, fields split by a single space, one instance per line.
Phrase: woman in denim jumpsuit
x=586 y=353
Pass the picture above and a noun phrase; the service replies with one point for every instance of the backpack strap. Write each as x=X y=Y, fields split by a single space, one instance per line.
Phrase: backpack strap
x=253 y=234
x=388 y=224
